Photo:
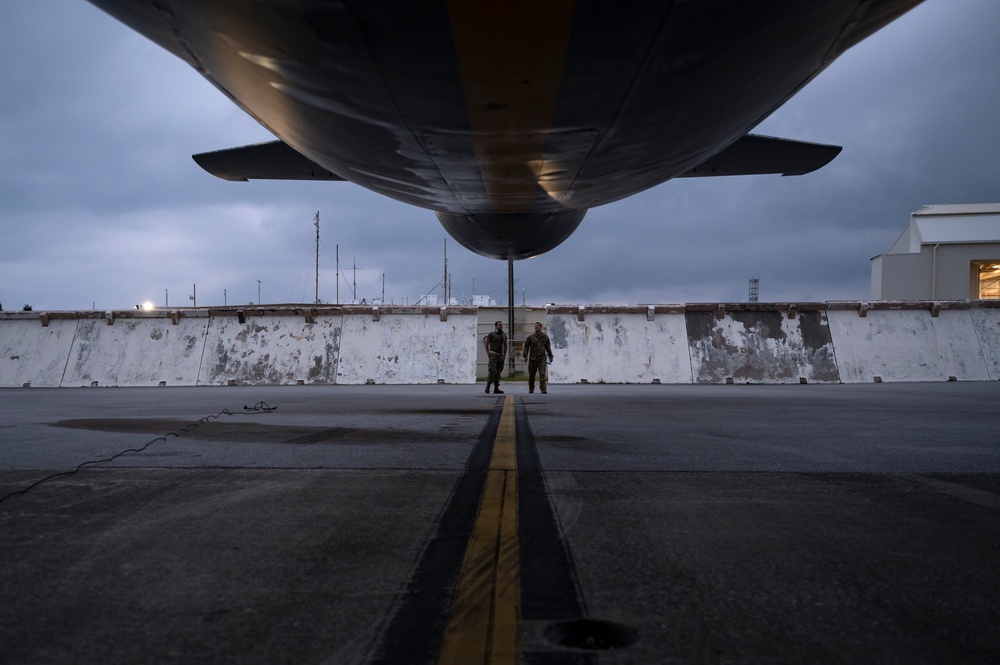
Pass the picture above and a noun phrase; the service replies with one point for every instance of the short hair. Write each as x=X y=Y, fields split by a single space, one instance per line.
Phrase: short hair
x=537 y=323
x=496 y=322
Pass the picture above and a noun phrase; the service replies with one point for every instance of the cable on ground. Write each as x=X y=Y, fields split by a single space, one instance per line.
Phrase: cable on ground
x=259 y=407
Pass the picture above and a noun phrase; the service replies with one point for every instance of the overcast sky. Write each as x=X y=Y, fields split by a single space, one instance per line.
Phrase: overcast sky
x=102 y=206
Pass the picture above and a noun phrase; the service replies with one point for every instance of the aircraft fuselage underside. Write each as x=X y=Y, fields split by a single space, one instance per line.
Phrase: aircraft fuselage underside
x=511 y=119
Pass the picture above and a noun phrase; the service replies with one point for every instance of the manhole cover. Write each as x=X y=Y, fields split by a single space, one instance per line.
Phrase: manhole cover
x=591 y=634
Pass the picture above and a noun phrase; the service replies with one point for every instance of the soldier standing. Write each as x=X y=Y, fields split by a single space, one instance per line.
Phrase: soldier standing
x=496 y=350
x=536 y=348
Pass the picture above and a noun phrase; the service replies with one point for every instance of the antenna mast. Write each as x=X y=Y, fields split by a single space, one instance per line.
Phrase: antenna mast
x=316 y=218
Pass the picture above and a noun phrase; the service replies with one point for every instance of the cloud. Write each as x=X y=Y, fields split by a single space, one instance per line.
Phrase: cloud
x=101 y=204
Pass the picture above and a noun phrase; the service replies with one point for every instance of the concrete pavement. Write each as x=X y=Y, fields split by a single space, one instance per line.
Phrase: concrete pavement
x=743 y=523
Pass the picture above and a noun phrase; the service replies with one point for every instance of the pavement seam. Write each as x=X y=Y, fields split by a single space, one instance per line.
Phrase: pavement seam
x=962 y=492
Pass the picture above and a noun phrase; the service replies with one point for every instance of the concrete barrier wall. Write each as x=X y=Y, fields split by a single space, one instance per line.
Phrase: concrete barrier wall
x=271 y=347
x=408 y=345
x=907 y=345
x=136 y=352
x=31 y=353
x=619 y=345
x=761 y=343
x=986 y=323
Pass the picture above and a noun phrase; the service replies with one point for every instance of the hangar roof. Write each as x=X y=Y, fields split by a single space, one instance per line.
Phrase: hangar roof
x=949 y=224
x=958 y=209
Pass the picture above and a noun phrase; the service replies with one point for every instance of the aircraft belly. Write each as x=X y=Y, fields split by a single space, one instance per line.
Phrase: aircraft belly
x=307 y=71
x=690 y=98
x=531 y=110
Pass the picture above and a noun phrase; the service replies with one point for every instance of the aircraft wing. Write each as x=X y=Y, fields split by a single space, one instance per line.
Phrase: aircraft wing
x=274 y=160
x=755 y=154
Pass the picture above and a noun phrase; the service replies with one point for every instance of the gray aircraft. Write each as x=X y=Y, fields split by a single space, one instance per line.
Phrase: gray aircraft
x=509 y=119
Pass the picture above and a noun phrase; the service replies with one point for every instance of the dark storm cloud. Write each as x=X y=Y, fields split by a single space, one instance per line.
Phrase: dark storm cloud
x=100 y=202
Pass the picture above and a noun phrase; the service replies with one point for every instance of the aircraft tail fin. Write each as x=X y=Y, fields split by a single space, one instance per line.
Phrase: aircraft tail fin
x=274 y=160
x=755 y=154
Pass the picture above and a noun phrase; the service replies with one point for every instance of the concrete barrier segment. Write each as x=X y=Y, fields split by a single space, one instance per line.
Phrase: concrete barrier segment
x=761 y=345
x=408 y=345
x=618 y=345
x=136 y=351
x=34 y=354
x=271 y=347
x=986 y=323
x=907 y=344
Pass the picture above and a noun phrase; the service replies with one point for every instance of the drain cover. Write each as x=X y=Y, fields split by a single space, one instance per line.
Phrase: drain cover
x=591 y=634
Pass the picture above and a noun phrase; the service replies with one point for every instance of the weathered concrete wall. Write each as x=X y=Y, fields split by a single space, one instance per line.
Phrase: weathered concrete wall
x=619 y=345
x=136 y=352
x=760 y=343
x=987 y=325
x=897 y=343
x=408 y=345
x=31 y=353
x=273 y=346
x=269 y=346
x=776 y=343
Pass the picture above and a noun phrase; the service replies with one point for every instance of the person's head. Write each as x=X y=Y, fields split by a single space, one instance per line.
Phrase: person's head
x=538 y=327
x=499 y=325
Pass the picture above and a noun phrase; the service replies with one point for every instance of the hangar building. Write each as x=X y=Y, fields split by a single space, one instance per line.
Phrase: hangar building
x=946 y=252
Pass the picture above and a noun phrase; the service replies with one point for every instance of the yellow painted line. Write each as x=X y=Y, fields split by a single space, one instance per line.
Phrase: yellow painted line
x=485 y=624
x=504 y=447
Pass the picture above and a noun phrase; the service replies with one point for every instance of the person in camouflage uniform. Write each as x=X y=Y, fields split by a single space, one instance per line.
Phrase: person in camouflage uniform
x=496 y=350
x=536 y=348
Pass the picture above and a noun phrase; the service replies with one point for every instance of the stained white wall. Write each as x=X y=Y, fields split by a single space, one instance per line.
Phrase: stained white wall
x=34 y=354
x=768 y=346
x=906 y=345
x=409 y=345
x=986 y=323
x=624 y=346
x=136 y=352
x=271 y=350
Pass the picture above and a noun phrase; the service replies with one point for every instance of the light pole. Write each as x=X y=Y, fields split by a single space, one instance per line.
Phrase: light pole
x=258 y=291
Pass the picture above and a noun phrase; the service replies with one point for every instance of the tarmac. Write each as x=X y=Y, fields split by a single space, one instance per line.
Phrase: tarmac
x=595 y=524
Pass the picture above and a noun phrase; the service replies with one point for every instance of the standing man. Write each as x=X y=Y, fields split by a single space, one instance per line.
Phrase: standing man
x=496 y=350
x=536 y=348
